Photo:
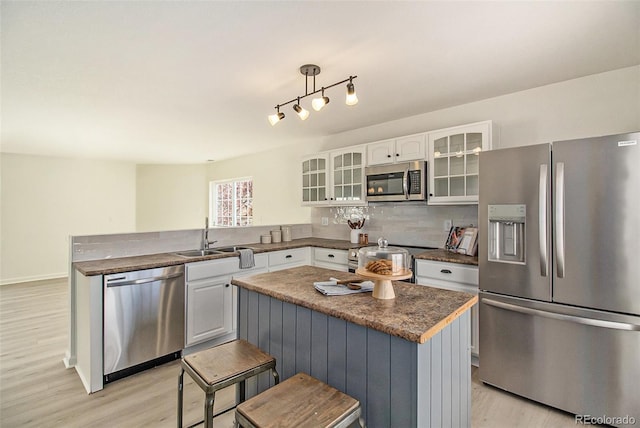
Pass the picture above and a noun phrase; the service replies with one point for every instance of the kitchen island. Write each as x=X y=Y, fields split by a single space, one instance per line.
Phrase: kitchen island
x=407 y=360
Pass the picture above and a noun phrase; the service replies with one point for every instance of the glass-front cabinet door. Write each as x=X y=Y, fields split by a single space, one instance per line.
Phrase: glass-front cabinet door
x=453 y=163
x=347 y=167
x=334 y=178
x=314 y=180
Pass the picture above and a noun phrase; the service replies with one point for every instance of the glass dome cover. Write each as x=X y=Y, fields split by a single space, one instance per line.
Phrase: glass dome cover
x=384 y=260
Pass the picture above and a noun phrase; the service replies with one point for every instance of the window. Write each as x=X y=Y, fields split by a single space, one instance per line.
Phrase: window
x=232 y=202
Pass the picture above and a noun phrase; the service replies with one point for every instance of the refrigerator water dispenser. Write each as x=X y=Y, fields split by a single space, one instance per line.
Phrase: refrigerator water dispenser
x=506 y=233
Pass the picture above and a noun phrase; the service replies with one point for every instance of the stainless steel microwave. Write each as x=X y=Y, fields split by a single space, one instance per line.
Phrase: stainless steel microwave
x=398 y=182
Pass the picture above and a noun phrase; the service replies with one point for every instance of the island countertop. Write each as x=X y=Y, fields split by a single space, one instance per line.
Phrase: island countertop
x=416 y=314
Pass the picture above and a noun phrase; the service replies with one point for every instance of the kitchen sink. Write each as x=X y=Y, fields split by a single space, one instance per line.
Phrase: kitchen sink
x=198 y=253
x=229 y=249
x=210 y=251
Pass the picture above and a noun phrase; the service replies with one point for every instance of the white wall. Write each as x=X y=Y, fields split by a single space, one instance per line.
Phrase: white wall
x=171 y=197
x=46 y=199
x=277 y=182
x=601 y=104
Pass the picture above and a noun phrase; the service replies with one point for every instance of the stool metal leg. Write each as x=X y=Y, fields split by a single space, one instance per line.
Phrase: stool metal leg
x=208 y=410
x=276 y=376
x=180 y=394
x=243 y=390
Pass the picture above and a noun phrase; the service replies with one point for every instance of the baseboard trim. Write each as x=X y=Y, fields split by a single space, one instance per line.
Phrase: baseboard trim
x=33 y=278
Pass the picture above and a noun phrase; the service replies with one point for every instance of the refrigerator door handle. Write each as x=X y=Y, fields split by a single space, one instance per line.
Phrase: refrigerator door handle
x=542 y=220
x=563 y=317
x=559 y=219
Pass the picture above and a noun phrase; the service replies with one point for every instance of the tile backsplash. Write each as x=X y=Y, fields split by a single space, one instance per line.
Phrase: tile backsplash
x=407 y=223
x=95 y=247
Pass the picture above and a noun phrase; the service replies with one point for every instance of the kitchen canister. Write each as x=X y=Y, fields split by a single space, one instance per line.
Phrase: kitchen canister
x=276 y=236
x=265 y=239
x=286 y=233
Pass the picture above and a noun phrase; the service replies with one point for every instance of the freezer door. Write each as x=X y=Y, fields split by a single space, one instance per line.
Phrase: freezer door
x=578 y=360
x=511 y=178
x=597 y=215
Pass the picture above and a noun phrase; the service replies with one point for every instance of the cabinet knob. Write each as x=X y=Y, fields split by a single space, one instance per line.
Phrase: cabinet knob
x=397 y=154
x=445 y=271
x=288 y=256
x=226 y=285
x=331 y=256
x=388 y=156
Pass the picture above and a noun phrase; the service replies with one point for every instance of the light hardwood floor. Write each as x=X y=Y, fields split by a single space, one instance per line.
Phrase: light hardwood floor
x=37 y=391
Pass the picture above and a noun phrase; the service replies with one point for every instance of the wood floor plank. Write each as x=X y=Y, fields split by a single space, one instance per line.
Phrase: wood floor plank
x=37 y=391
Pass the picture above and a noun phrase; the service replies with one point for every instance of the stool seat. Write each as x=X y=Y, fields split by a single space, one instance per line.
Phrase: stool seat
x=299 y=401
x=221 y=366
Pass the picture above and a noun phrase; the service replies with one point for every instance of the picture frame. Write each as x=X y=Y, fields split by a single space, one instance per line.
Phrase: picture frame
x=469 y=242
x=454 y=238
x=463 y=240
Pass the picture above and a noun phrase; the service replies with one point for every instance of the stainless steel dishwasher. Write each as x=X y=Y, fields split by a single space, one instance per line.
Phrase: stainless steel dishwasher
x=143 y=320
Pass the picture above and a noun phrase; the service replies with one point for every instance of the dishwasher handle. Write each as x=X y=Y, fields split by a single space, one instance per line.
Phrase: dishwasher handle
x=121 y=282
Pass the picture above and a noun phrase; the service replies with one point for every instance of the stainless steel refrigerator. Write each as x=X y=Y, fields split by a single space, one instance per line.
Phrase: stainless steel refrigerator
x=559 y=260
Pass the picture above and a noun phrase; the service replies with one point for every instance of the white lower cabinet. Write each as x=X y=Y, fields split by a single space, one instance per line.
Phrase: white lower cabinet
x=211 y=300
x=209 y=309
x=285 y=259
x=330 y=259
x=456 y=277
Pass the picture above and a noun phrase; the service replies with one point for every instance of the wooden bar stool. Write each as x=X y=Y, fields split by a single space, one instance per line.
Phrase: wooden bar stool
x=216 y=368
x=300 y=401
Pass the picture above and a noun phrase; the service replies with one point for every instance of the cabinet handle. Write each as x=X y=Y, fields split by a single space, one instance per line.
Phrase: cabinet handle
x=331 y=256
x=445 y=271
x=288 y=256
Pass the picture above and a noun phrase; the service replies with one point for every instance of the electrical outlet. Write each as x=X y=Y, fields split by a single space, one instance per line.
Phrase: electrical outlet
x=325 y=221
x=447 y=225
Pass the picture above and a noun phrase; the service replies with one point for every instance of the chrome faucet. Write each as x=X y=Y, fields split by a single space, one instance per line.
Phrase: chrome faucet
x=205 y=235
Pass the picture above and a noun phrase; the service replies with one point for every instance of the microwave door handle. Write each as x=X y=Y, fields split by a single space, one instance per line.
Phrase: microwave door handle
x=405 y=183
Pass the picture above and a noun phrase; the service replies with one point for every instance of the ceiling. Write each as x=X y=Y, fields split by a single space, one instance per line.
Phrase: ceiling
x=190 y=81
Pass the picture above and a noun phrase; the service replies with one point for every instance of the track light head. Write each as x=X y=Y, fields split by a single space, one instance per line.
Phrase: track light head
x=302 y=113
x=352 y=98
x=276 y=117
x=319 y=102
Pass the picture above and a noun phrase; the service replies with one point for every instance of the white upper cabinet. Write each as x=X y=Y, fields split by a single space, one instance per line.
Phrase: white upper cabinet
x=403 y=149
x=315 y=170
x=347 y=167
x=334 y=178
x=453 y=163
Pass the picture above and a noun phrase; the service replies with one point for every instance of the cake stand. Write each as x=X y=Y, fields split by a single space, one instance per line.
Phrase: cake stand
x=383 y=289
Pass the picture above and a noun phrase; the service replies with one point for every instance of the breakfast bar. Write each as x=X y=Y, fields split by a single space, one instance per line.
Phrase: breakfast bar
x=407 y=360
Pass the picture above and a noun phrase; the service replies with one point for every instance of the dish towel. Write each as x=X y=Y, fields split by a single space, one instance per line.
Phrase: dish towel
x=332 y=288
x=246 y=258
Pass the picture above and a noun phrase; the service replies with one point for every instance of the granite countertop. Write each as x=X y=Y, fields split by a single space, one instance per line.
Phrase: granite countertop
x=416 y=314
x=442 y=255
x=127 y=264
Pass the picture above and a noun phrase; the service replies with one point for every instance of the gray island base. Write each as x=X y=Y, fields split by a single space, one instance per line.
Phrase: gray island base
x=407 y=360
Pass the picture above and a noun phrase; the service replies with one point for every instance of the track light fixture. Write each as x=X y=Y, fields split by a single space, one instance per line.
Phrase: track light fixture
x=311 y=70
